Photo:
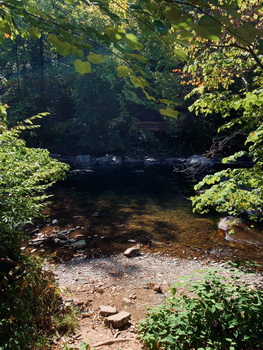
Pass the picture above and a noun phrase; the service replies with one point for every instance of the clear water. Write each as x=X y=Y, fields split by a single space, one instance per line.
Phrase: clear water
x=118 y=209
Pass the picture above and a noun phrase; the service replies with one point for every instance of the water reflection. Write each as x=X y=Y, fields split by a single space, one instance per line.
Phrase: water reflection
x=117 y=209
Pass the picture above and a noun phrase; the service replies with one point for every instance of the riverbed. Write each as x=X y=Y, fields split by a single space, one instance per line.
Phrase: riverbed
x=115 y=210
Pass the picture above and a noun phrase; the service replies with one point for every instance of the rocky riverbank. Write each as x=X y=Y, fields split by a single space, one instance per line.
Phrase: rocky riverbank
x=129 y=285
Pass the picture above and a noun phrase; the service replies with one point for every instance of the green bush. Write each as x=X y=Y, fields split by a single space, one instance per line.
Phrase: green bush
x=31 y=308
x=214 y=314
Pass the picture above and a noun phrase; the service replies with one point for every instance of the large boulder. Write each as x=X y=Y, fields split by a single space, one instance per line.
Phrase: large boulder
x=195 y=167
x=199 y=161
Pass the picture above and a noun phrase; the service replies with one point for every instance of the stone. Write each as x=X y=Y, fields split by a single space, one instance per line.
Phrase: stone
x=197 y=161
x=118 y=320
x=35 y=231
x=82 y=244
x=157 y=289
x=54 y=222
x=83 y=160
x=72 y=240
x=150 y=161
x=133 y=296
x=105 y=310
x=62 y=236
x=126 y=300
x=79 y=237
x=131 y=252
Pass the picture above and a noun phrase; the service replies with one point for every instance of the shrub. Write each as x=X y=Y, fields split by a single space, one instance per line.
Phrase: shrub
x=215 y=314
x=31 y=306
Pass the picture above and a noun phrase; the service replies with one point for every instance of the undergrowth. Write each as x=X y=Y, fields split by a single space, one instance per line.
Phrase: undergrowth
x=214 y=314
x=31 y=308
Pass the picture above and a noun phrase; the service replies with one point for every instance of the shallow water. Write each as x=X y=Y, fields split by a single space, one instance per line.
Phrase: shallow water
x=118 y=209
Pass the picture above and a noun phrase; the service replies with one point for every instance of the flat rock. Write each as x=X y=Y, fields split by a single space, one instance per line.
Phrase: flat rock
x=118 y=320
x=106 y=310
x=131 y=252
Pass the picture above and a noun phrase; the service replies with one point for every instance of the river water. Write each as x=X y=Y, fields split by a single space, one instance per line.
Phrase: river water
x=118 y=209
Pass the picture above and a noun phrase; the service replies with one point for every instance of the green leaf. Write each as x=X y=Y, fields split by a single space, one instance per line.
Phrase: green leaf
x=173 y=14
x=4 y=27
x=83 y=346
x=161 y=27
x=114 y=34
x=95 y=58
x=138 y=57
x=208 y=28
x=167 y=102
x=169 y=112
x=181 y=55
x=149 y=97
x=82 y=67
x=132 y=41
x=139 y=82
x=35 y=33
x=62 y=47
x=124 y=71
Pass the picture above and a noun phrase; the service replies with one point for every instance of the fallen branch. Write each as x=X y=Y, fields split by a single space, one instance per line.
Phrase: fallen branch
x=109 y=342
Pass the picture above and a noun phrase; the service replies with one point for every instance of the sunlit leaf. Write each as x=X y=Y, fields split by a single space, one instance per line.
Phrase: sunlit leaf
x=169 y=112
x=35 y=33
x=124 y=71
x=82 y=67
x=132 y=41
x=139 y=82
x=167 y=102
x=95 y=58
x=149 y=97
x=138 y=57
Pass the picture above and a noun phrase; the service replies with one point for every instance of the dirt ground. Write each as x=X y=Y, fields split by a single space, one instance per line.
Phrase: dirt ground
x=129 y=284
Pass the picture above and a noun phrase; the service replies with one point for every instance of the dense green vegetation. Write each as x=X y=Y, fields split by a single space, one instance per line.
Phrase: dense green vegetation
x=216 y=314
x=138 y=61
x=99 y=67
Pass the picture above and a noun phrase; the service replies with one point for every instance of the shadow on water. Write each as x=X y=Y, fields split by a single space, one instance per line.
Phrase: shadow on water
x=115 y=210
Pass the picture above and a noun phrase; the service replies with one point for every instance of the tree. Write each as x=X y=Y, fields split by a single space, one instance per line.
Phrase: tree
x=196 y=32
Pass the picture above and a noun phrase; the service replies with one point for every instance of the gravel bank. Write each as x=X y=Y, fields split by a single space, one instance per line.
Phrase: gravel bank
x=136 y=271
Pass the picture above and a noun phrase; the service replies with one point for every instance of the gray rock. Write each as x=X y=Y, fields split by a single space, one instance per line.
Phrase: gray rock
x=82 y=244
x=131 y=252
x=105 y=310
x=151 y=161
x=54 y=222
x=118 y=320
x=83 y=160
x=104 y=160
x=72 y=240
